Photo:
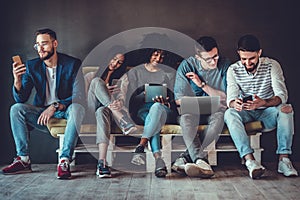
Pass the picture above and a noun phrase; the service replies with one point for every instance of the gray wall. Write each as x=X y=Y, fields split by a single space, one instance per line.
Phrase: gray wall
x=81 y=25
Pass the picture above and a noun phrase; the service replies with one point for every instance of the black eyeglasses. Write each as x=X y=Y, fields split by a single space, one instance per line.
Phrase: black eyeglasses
x=211 y=59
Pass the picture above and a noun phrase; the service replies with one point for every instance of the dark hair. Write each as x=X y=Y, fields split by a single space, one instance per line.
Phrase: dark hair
x=207 y=43
x=150 y=51
x=248 y=43
x=46 y=31
x=102 y=72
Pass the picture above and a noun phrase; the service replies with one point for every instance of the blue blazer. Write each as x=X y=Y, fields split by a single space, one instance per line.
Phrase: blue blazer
x=69 y=81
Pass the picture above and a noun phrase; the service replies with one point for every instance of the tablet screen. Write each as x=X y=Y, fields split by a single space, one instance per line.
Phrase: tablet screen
x=153 y=90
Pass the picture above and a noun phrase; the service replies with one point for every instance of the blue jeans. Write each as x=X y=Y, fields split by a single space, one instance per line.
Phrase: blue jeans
x=99 y=99
x=23 y=116
x=154 y=117
x=189 y=125
x=271 y=117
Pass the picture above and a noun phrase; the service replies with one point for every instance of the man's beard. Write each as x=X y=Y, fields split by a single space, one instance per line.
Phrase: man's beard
x=50 y=54
x=252 y=69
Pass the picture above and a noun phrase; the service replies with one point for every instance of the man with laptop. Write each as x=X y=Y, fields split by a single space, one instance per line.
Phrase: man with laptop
x=200 y=91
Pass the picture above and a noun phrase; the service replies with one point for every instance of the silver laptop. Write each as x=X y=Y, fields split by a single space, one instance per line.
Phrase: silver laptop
x=153 y=90
x=199 y=105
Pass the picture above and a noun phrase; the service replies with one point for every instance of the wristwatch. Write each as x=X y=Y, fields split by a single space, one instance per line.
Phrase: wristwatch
x=55 y=105
x=203 y=83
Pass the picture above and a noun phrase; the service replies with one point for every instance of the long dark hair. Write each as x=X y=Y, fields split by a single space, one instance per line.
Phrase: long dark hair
x=102 y=72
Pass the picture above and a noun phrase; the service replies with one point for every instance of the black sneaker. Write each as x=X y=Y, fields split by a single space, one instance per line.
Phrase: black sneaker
x=138 y=156
x=103 y=170
x=160 y=168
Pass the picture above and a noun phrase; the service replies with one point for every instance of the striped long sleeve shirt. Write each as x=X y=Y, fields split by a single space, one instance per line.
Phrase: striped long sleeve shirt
x=266 y=82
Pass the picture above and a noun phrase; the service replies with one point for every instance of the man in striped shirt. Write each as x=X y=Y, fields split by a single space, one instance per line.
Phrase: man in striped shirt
x=261 y=79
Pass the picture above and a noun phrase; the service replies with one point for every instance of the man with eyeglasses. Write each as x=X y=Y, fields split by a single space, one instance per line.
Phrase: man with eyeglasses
x=59 y=85
x=201 y=75
x=262 y=79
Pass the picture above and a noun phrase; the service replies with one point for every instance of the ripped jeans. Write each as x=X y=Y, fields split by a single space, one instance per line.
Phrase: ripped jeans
x=271 y=117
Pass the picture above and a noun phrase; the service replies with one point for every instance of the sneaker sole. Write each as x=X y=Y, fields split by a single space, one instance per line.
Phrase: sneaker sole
x=64 y=177
x=178 y=170
x=257 y=173
x=18 y=172
x=161 y=172
x=193 y=170
x=104 y=175
x=287 y=175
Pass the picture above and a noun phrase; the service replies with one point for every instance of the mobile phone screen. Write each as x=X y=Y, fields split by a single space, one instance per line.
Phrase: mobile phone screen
x=248 y=98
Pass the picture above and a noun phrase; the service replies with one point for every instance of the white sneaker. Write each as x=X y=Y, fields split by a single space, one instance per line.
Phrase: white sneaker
x=286 y=168
x=129 y=131
x=255 y=169
x=179 y=166
x=199 y=169
x=138 y=159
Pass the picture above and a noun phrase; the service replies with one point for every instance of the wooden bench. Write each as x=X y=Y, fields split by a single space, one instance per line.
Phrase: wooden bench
x=169 y=135
x=169 y=143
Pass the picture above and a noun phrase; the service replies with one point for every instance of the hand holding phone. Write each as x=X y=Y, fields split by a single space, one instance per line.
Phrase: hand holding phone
x=247 y=98
x=113 y=89
x=18 y=67
x=17 y=60
x=114 y=82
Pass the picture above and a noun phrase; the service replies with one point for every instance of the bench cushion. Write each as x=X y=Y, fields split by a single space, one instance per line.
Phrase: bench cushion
x=57 y=126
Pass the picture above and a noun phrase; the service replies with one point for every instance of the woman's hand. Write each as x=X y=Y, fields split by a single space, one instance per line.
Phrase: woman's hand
x=113 y=89
x=164 y=101
x=116 y=105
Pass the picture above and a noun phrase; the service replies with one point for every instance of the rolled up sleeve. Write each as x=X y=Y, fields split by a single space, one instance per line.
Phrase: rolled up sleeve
x=232 y=86
x=278 y=83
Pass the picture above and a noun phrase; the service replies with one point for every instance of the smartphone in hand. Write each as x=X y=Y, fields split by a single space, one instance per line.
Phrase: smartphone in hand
x=17 y=59
x=247 y=98
x=114 y=81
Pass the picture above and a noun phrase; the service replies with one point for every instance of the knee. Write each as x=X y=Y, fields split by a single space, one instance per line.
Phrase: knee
x=77 y=109
x=97 y=82
x=229 y=113
x=286 y=108
x=157 y=107
x=16 y=108
x=218 y=116
x=185 y=118
x=102 y=111
x=188 y=120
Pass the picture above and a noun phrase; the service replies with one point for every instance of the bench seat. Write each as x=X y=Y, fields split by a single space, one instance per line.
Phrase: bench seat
x=168 y=142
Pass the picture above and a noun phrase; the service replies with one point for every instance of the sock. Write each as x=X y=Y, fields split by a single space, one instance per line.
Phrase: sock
x=65 y=159
x=25 y=159
x=143 y=141
x=157 y=155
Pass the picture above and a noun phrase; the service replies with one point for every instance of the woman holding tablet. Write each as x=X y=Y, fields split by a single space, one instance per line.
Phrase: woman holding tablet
x=152 y=114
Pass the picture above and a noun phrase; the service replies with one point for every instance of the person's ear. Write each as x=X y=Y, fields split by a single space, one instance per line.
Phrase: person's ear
x=259 y=52
x=55 y=43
